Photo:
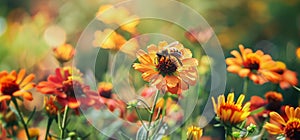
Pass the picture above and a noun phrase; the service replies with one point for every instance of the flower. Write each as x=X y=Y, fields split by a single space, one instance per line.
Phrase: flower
x=110 y=14
x=287 y=79
x=109 y=39
x=50 y=107
x=271 y=103
x=254 y=65
x=64 y=53
x=167 y=73
x=289 y=127
x=230 y=112
x=274 y=100
x=298 y=52
x=15 y=85
x=64 y=84
x=194 y=133
x=109 y=99
x=199 y=35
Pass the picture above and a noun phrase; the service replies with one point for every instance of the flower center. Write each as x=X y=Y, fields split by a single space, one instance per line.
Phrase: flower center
x=105 y=93
x=166 y=66
x=72 y=86
x=292 y=129
x=252 y=63
x=231 y=107
x=9 y=87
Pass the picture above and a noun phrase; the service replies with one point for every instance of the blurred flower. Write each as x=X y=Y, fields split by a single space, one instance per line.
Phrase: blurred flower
x=64 y=53
x=109 y=99
x=15 y=85
x=230 y=112
x=256 y=65
x=50 y=107
x=298 y=53
x=65 y=84
x=272 y=103
x=287 y=79
x=199 y=35
x=109 y=39
x=166 y=71
x=118 y=15
x=194 y=133
x=274 y=100
x=204 y=65
x=289 y=127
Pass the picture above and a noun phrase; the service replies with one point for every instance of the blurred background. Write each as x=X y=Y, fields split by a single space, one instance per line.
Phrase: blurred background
x=30 y=29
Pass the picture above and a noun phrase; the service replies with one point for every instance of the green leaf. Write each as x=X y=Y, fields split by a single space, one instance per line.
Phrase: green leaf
x=31 y=115
x=141 y=134
x=259 y=110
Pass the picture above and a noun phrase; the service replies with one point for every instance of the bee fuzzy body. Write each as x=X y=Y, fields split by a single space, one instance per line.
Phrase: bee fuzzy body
x=171 y=53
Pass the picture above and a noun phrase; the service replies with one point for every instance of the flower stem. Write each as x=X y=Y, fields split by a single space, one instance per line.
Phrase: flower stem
x=48 y=127
x=63 y=124
x=151 y=114
x=245 y=86
x=21 y=117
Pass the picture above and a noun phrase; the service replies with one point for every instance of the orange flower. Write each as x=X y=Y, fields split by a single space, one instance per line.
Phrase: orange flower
x=298 y=53
x=50 y=107
x=65 y=84
x=194 y=133
x=255 y=65
x=287 y=79
x=166 y=72
x=15 y=85
x=64 y=53
x=289 y=127
x=230 y=112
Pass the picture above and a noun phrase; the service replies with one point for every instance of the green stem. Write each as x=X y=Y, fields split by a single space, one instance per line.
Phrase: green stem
x=140 y=118
x=245 y=86
x=21 y=117
x=163 y=114
x=151 y=114
x=63 y=124
x=48 y=127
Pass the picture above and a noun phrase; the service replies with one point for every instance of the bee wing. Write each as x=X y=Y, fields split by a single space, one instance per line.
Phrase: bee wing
x=172 y=44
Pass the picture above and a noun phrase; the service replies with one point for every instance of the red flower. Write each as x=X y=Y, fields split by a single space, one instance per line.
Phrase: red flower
x=67 y=86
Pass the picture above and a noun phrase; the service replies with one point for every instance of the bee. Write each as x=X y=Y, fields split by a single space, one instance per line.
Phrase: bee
x=171 y=53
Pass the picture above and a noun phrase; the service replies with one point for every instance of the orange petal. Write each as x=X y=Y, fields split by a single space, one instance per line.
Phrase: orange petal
x=143 y=57
x=20 y=76
x=277 y=118
x=4 y=98
x=28 y=96
x=28 y=86
x=142 y=67
x=28 y=79
x=190 y=62
x=273 y=129
x=172 y=81
x=244 y=72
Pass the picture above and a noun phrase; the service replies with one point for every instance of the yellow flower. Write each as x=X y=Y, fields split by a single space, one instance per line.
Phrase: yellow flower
x=298 y=53
x=64 y=53
x=254 y=65
x=194 y=133
x=167 y=73
x=110 y=14
x=290 y=128
x=230 y=112
x=109 y=39
x=14 y=85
